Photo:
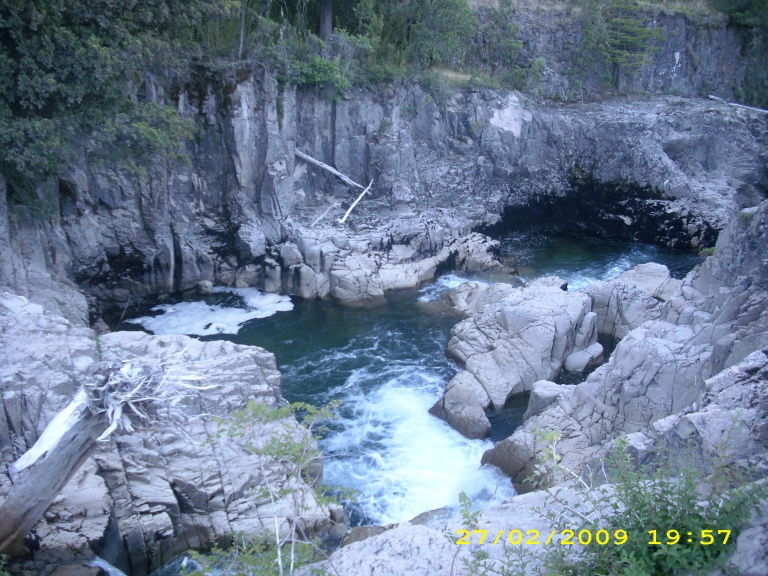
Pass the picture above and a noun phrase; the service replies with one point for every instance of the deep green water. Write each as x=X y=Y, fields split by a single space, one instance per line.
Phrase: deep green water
x=387 y=365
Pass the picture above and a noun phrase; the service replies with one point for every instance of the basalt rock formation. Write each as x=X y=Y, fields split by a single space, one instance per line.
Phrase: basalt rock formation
x=245 y=210
x=669 y=365
x=512 y=338
x=142 y=497
x=689 y=380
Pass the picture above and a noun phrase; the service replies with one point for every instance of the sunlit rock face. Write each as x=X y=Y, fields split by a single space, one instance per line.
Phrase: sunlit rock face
x=145 y=496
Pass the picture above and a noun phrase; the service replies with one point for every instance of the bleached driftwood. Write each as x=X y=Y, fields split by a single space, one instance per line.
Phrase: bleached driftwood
x=40 y=474
x=335 y=172
x=151 y=392
x=341 y=221
x=330 y=169
x=713 y=97
x=324 y=214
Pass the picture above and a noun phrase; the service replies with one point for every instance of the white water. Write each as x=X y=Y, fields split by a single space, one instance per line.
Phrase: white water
x=436 y=289
x=410 y=461
x=202 y=319
x=386 y=445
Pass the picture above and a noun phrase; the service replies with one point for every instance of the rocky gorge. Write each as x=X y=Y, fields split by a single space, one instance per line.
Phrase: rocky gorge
x=448 y=167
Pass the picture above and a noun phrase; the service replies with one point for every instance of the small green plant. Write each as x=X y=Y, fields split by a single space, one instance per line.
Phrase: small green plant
x=704 y=252
x=746 y=216
x=469 y=517
x=671 y=526
x=4 y=565
x=274 y=432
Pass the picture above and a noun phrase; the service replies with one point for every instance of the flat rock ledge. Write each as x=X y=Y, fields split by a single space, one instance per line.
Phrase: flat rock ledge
x=142 y=498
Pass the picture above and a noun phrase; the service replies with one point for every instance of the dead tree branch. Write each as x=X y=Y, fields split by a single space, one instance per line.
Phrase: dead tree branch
x=330 y=169
x=153 y=392
x=355 y=203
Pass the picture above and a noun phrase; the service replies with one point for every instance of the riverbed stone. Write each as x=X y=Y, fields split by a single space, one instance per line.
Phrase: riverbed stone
x=463 y=406
x=516 y=336
x=162 y=488
x=661 y=371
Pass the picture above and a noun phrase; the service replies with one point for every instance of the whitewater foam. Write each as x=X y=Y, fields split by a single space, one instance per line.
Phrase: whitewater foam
x=434 y=291
x=203 y=319
x=404 y=461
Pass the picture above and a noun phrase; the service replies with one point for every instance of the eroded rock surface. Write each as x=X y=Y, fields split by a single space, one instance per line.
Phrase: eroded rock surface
x=142 y=498
x=715 y=320
x=512 y=338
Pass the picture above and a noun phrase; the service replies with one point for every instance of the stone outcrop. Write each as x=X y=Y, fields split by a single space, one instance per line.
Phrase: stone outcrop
x=632 y=298
x=142 y=498
x=696 y=53
x=441 y=167
x=664 y=390
x=715 y=320
x=512 y=338
x=246 y=211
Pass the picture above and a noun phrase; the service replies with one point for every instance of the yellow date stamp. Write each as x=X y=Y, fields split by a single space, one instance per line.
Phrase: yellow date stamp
x=517 y=537
x=588 y=537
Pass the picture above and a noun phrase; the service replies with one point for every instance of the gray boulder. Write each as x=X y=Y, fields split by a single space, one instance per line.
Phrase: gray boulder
x=511 y=338
x=716 y=319
x=162 y=489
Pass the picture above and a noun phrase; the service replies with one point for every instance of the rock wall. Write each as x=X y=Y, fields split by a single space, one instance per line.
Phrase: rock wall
x=695 y=55
x=245 y=210
x=143 y=497
x=716 y=319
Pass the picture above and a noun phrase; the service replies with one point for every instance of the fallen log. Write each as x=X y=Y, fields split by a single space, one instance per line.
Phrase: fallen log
x=330 y=169
x=342 y=220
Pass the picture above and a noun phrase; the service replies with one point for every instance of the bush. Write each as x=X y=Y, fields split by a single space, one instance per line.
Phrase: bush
x=616 y=39
x=676 y=519
x=296 y=448
x=657 y=520
x=441 y=30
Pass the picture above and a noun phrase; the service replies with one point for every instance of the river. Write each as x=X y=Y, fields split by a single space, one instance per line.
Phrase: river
x=387 y=365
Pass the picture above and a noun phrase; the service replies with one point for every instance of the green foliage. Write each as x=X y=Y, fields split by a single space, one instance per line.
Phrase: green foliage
x=669 y=504
x=497 y=46
x=704 y=252
x=667 y=500
x=628 y=39
x=469 y=516
x=3 y=566
x=750 y=13
x=256 y=556
x=441 y=29
x=71 y=72
x=616 y=39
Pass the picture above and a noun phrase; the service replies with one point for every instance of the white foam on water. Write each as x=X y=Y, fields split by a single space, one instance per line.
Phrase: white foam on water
x=203 y=319
x=600 y=272
x=403 y=460
x=435 y=290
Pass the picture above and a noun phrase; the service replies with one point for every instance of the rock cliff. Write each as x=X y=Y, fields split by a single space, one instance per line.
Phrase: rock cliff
x=243 y=212
x=143 y=497
x=689 y=379
x=664 y=366
x=246 y=211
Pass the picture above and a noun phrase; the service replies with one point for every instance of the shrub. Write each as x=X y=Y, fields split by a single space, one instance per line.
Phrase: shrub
x=296 y=448
x=676 y=519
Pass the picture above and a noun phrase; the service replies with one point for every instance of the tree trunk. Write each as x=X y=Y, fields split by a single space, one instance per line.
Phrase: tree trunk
x=242 y=29
x=40 y=474
x=326 y=20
